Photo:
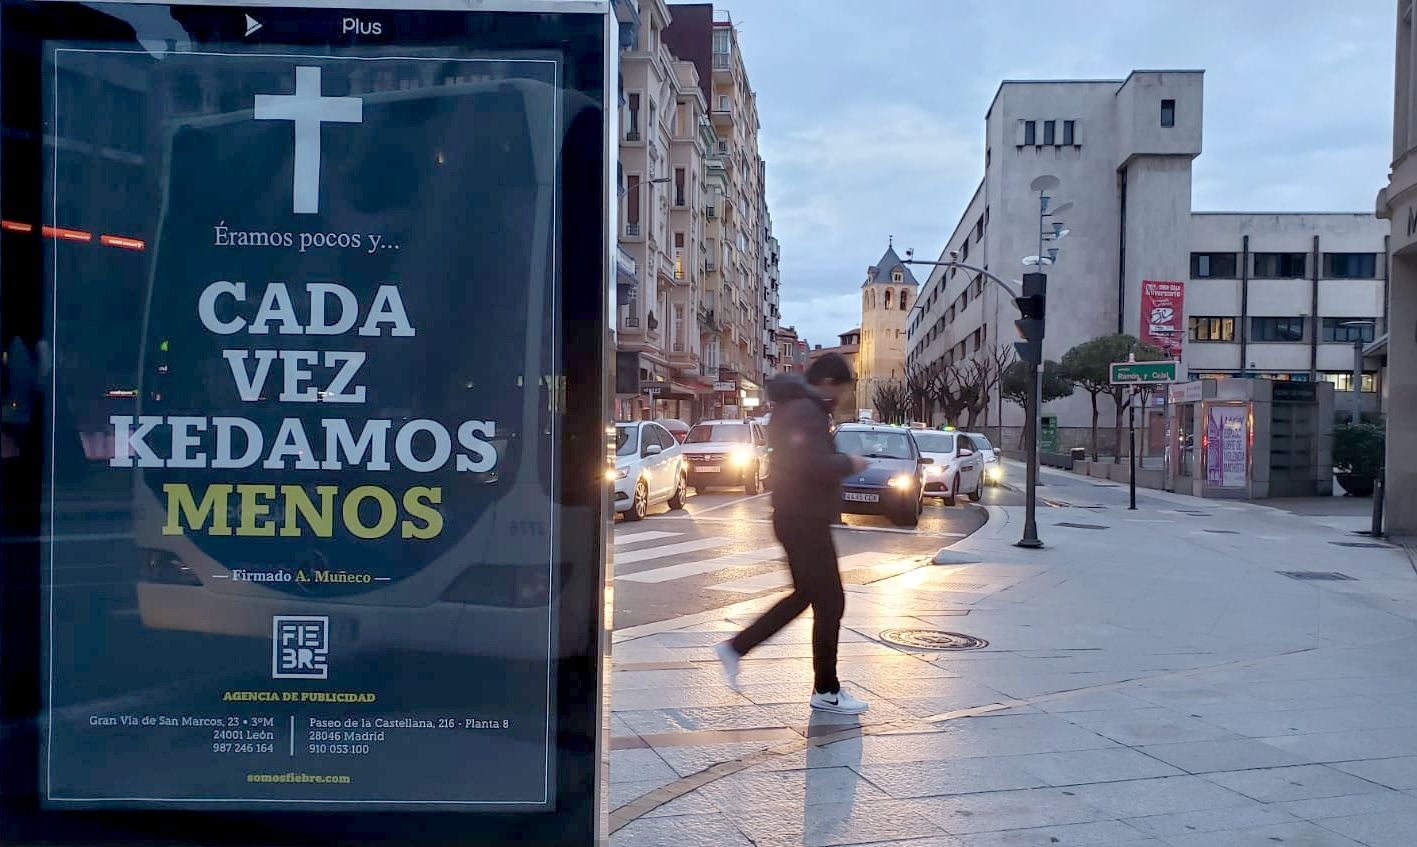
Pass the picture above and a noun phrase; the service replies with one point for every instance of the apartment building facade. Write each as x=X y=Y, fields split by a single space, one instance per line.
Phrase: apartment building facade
x=1282 y=296
x=791 y=351
x=771 y=293
x=691 y=334
x=732 y=321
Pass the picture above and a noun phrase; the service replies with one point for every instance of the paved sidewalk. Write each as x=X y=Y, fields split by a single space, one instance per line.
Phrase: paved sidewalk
x=1151 y=678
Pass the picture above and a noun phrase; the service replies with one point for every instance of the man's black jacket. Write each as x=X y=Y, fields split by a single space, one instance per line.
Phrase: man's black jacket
x=805 y=469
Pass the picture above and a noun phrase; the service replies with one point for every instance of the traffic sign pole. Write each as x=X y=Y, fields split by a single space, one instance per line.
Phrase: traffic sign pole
x=1132 y=450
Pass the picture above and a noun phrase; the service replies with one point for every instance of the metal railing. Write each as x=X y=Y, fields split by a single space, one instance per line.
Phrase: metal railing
x=632 y=230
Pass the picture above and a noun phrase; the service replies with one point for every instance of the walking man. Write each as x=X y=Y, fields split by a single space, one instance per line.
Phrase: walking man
x=806 y=473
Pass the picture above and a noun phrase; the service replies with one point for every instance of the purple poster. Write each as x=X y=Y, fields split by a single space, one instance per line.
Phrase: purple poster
x=1227 y=453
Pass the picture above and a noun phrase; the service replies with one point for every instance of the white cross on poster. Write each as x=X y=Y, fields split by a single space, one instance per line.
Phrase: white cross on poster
x=309 y=110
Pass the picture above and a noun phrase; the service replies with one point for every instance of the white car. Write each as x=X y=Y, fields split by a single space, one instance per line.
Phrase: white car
x=956 y=467
x=993 y=463
x=727 y=453
x=649 y=469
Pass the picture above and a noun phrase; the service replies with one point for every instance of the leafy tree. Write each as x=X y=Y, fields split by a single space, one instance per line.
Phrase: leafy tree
x=892 y=401
x=1014 y=385
x=1088 y=366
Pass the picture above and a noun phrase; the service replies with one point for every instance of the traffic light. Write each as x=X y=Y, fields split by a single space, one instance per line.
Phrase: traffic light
x=1031 y=307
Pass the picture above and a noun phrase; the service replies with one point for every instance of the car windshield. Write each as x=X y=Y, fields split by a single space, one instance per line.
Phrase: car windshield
x=626 y=440
x=935 y=442
x=981 y=442
x=874 y=445
x=704 y=433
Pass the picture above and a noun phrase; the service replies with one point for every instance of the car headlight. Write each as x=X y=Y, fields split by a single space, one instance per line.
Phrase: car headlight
x=617 y=473
x=933 y=470
x=741 y=456
x=902 y=481
x=995 y=472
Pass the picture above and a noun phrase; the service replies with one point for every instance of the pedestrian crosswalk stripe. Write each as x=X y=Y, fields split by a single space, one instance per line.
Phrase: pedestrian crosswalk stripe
x=637 y=537
x=782 y=578
x=703 y=566
x=664 y=550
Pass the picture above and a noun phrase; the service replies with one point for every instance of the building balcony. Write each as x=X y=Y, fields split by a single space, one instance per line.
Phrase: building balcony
x=722 y=119
x=625 y=263
x=632 y=230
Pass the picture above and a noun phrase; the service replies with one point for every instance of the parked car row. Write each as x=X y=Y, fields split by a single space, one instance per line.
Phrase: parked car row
x=660 y=461
x=908 y=464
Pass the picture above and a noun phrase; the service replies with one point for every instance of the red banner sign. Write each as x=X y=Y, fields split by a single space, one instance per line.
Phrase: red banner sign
x=1162 y=314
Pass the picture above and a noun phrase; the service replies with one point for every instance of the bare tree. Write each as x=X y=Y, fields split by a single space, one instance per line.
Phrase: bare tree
x=982 y=374
x=892 y=401
x=950 y=392
x=917 y=387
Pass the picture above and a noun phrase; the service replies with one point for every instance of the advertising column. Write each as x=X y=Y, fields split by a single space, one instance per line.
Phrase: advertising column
x=302 y=539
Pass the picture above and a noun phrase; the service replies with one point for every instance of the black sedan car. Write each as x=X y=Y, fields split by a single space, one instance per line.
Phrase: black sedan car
x=892 y=485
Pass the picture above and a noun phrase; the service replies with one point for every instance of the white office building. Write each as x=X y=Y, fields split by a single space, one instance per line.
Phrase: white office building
x=1282 y=296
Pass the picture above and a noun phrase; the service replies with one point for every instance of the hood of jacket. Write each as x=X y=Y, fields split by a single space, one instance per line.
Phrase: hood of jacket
x=787 y=387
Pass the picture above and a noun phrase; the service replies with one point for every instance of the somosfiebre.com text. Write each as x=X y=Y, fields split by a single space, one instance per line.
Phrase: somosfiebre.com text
x=289 y=778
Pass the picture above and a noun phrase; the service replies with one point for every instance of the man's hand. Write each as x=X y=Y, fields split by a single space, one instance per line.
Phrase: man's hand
x=858 y=463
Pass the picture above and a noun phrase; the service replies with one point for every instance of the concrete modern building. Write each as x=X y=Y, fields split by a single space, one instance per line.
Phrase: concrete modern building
x=887 y=296
x=1398 y=204
x=1282 y=296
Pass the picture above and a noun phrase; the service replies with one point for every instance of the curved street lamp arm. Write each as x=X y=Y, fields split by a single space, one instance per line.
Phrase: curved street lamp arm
x=1012 y=288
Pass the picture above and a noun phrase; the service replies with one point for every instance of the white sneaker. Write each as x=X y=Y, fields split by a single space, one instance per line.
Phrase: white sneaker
x=840 y=702
x=729 y=659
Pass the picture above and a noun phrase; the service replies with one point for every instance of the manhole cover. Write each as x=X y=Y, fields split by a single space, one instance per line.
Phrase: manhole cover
x=932 y=639
x=1316 y=575
x=1368 y=544
x=1083 y=526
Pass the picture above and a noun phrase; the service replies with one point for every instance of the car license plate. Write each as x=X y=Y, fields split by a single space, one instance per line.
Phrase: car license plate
x=861 y=498
x=706 y=469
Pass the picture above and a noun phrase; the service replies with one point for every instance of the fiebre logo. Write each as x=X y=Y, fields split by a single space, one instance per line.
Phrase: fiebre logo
x=300 y=647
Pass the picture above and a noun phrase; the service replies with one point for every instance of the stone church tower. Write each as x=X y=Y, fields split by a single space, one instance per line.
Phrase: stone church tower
x=887 y=296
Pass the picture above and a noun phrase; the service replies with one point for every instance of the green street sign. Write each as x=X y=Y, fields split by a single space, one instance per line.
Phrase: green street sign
x=1140 y=373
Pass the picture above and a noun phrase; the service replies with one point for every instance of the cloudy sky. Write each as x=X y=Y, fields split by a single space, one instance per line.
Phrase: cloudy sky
x=873 y=113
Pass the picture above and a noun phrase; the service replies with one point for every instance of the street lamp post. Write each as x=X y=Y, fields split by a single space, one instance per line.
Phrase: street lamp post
x=1358 y=366
x=1029 y=296
x=1378 y=494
